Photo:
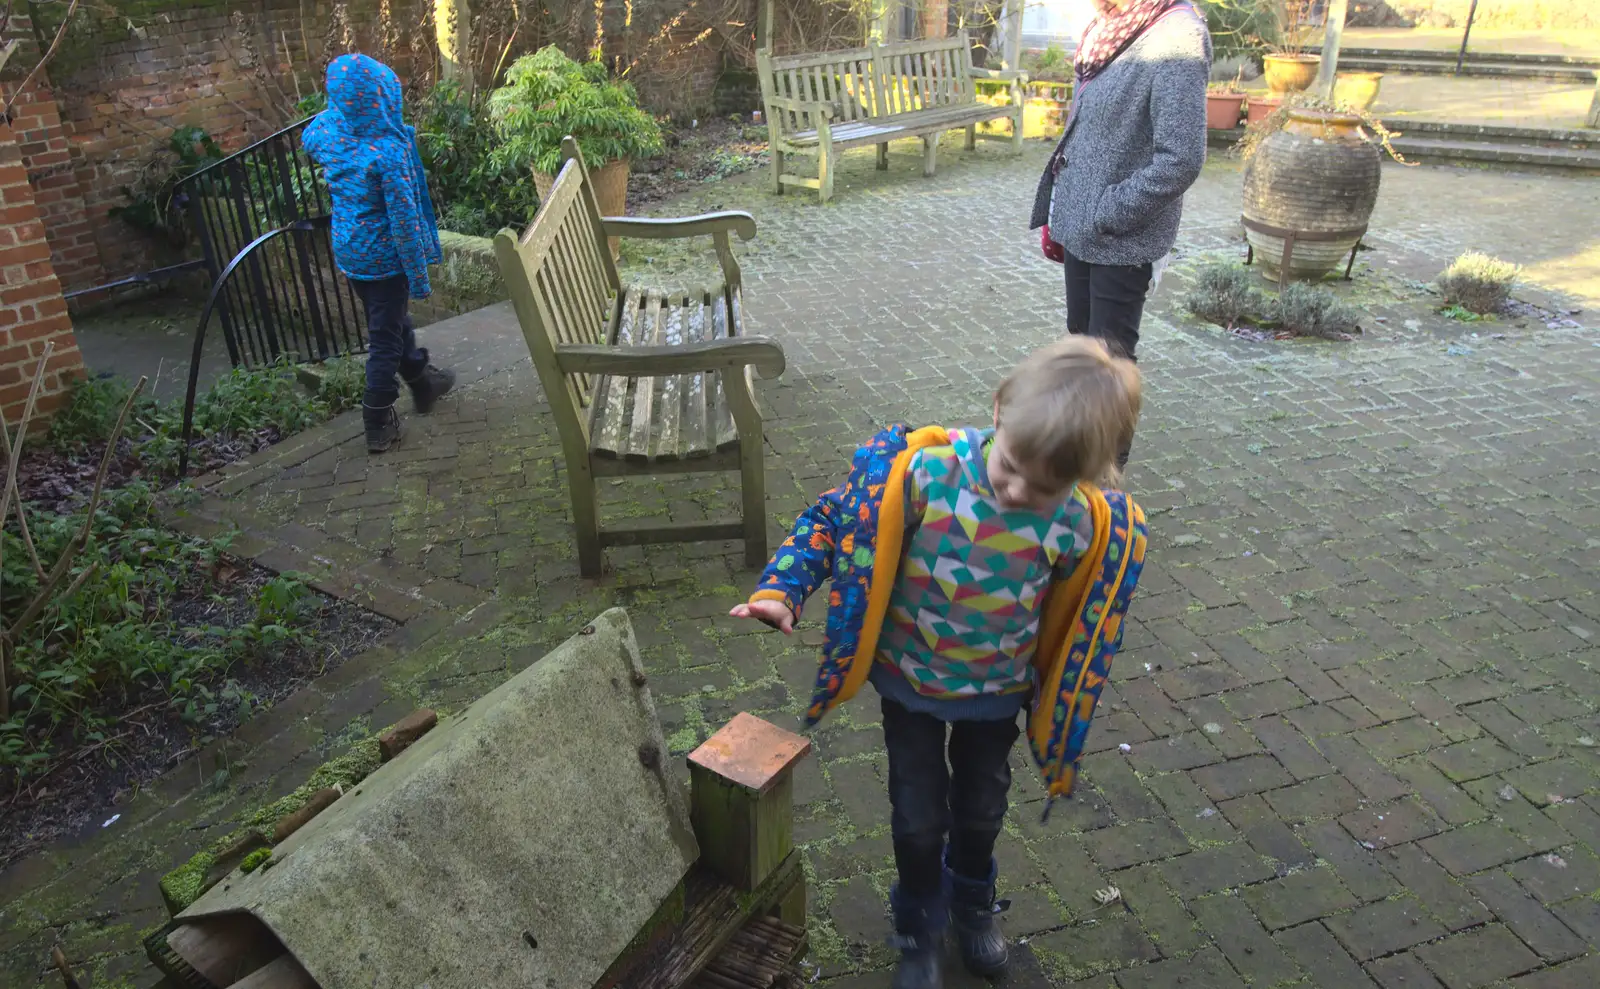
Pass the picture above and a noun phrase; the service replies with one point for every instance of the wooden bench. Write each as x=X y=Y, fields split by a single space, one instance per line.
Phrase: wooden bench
x=640 y=381
x=821 y=104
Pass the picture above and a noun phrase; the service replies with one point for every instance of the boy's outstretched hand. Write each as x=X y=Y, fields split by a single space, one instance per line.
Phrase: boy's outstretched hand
x=773 y=613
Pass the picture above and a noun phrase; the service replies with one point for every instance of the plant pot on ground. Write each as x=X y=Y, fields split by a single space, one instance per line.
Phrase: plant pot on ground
x=548 y=96
x=1314 y=173
x=1357 y=89
x=1224 y=106
x=1291 y=72
x=1262 y=107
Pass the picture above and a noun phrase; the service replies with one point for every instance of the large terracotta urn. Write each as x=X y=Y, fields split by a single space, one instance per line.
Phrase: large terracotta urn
x=610 y=188
x=1316 y=178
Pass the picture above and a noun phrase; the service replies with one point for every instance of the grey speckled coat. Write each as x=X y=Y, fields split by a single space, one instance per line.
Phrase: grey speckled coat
x=1135 y=142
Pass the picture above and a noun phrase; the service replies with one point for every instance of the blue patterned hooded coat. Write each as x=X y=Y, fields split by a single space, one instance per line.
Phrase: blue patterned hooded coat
x=383 y=223
x=853 y=536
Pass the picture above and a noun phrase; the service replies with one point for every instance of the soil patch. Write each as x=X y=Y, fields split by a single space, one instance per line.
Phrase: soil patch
x=88 y=779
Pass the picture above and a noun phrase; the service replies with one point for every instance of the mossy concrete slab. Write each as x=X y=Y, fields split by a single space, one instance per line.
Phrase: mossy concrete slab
x=523 y=842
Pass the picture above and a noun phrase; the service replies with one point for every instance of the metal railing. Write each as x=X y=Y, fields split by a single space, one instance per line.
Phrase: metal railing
x=278 y=298
x=288 y=302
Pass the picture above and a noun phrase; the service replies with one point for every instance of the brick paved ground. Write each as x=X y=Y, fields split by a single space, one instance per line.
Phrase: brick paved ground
x=1358 y=685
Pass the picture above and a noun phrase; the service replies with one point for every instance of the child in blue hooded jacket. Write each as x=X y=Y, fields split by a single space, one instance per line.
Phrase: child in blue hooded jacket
x=384 y=234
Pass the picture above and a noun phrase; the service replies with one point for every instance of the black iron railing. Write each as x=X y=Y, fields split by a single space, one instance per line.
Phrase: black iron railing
x=278 y=298
x=288 y=301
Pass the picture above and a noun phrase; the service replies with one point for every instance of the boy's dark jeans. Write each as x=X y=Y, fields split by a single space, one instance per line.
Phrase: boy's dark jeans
x=391 y=339
x=965 y=799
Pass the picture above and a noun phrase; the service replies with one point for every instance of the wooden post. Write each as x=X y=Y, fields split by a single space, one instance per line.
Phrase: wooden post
x=881 y=30
x=764 y=26
x=1461 y=58
x=742 y=804
x=1594 y=105
x=1011 y=30
x=1328 y=71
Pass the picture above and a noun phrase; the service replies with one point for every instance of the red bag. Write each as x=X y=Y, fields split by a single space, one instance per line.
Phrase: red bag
x=1051 y=249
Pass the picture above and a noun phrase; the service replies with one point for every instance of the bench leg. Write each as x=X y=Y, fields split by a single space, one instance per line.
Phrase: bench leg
x=777 y=172
x=585 y=517
x=739 y=388
x=930 y=150
x=825 y=173
x=883 y=157
x=972 y=136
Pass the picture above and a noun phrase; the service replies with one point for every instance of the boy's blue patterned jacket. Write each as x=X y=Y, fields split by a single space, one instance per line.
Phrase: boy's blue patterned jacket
x=853 y=537
x=383 y=223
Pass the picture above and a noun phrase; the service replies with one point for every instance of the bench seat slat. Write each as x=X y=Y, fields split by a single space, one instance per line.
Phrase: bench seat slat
x=676 y=417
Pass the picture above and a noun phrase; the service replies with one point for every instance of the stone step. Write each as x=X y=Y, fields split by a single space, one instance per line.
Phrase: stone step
x=1437 y=149
x=1550 y=137
x=1450 y=148
x=1446 y=65
x=1473 y=57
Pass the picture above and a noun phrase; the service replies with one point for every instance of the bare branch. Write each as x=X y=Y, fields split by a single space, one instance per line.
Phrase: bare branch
x=61 y=32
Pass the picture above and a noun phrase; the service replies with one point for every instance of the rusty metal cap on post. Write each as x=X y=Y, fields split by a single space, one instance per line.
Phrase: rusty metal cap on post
x=750 y=752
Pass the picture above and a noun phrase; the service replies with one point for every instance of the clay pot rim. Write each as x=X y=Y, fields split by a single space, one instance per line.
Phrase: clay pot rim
x=1300 y=59
x=1241 y=97
x=1311 y=115
x=1359 y=74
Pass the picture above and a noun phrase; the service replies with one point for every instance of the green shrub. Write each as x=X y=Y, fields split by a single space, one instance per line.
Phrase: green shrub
x=1225 y=293
x=1478 y=283
x=93 y=404
x=548 y=96
x=479 y=194
x=1312 y=311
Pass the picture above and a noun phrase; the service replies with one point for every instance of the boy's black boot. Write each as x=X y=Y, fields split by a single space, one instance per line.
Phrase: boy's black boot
x=383 y=427
x=428 y=384
x=973 y=913
x=919 y=924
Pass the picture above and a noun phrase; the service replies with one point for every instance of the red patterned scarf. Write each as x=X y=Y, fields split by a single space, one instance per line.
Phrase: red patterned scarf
x=1110 y=34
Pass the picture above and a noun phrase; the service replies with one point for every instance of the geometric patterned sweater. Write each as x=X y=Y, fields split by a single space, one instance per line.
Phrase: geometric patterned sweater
x=958 y=639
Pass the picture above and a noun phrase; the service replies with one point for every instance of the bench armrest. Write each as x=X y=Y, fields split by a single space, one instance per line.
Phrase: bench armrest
x=825 y=110
x=1008 y=75
x=762 y=353
x=674 y=228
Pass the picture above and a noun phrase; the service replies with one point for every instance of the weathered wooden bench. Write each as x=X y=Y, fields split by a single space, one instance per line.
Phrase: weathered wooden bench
x=640 y=381
x=820 y=104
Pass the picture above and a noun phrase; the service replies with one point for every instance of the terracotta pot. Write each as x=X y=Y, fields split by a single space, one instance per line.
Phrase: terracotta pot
x=610 y=189
x=1261 y=107
x=1291 y=73
x=1223 y=110
x=1316 y=175
x=1357 y=89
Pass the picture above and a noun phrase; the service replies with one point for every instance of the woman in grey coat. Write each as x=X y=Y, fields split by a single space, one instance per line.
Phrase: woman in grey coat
x=1112 y=194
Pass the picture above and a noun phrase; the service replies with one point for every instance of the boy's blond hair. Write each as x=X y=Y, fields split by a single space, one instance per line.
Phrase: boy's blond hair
x=1070 y=409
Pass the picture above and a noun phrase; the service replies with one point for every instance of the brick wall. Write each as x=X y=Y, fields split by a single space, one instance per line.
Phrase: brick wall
x=32 y=311
x=91 y=123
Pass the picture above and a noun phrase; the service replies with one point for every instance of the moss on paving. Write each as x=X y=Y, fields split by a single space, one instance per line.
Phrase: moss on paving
x=184 y=885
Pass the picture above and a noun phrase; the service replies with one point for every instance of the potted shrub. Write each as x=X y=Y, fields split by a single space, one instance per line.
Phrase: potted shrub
x=548 y=96
x=1289 y=69
x=1224 y=105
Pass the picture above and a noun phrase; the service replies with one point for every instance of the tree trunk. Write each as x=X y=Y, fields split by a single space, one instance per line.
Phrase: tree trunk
x=451 y=20
x=1328 y=72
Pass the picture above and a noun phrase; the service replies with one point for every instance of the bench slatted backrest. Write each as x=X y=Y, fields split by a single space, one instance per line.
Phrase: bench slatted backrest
x=565 y=286
x=925 y=75
x=845 y=79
